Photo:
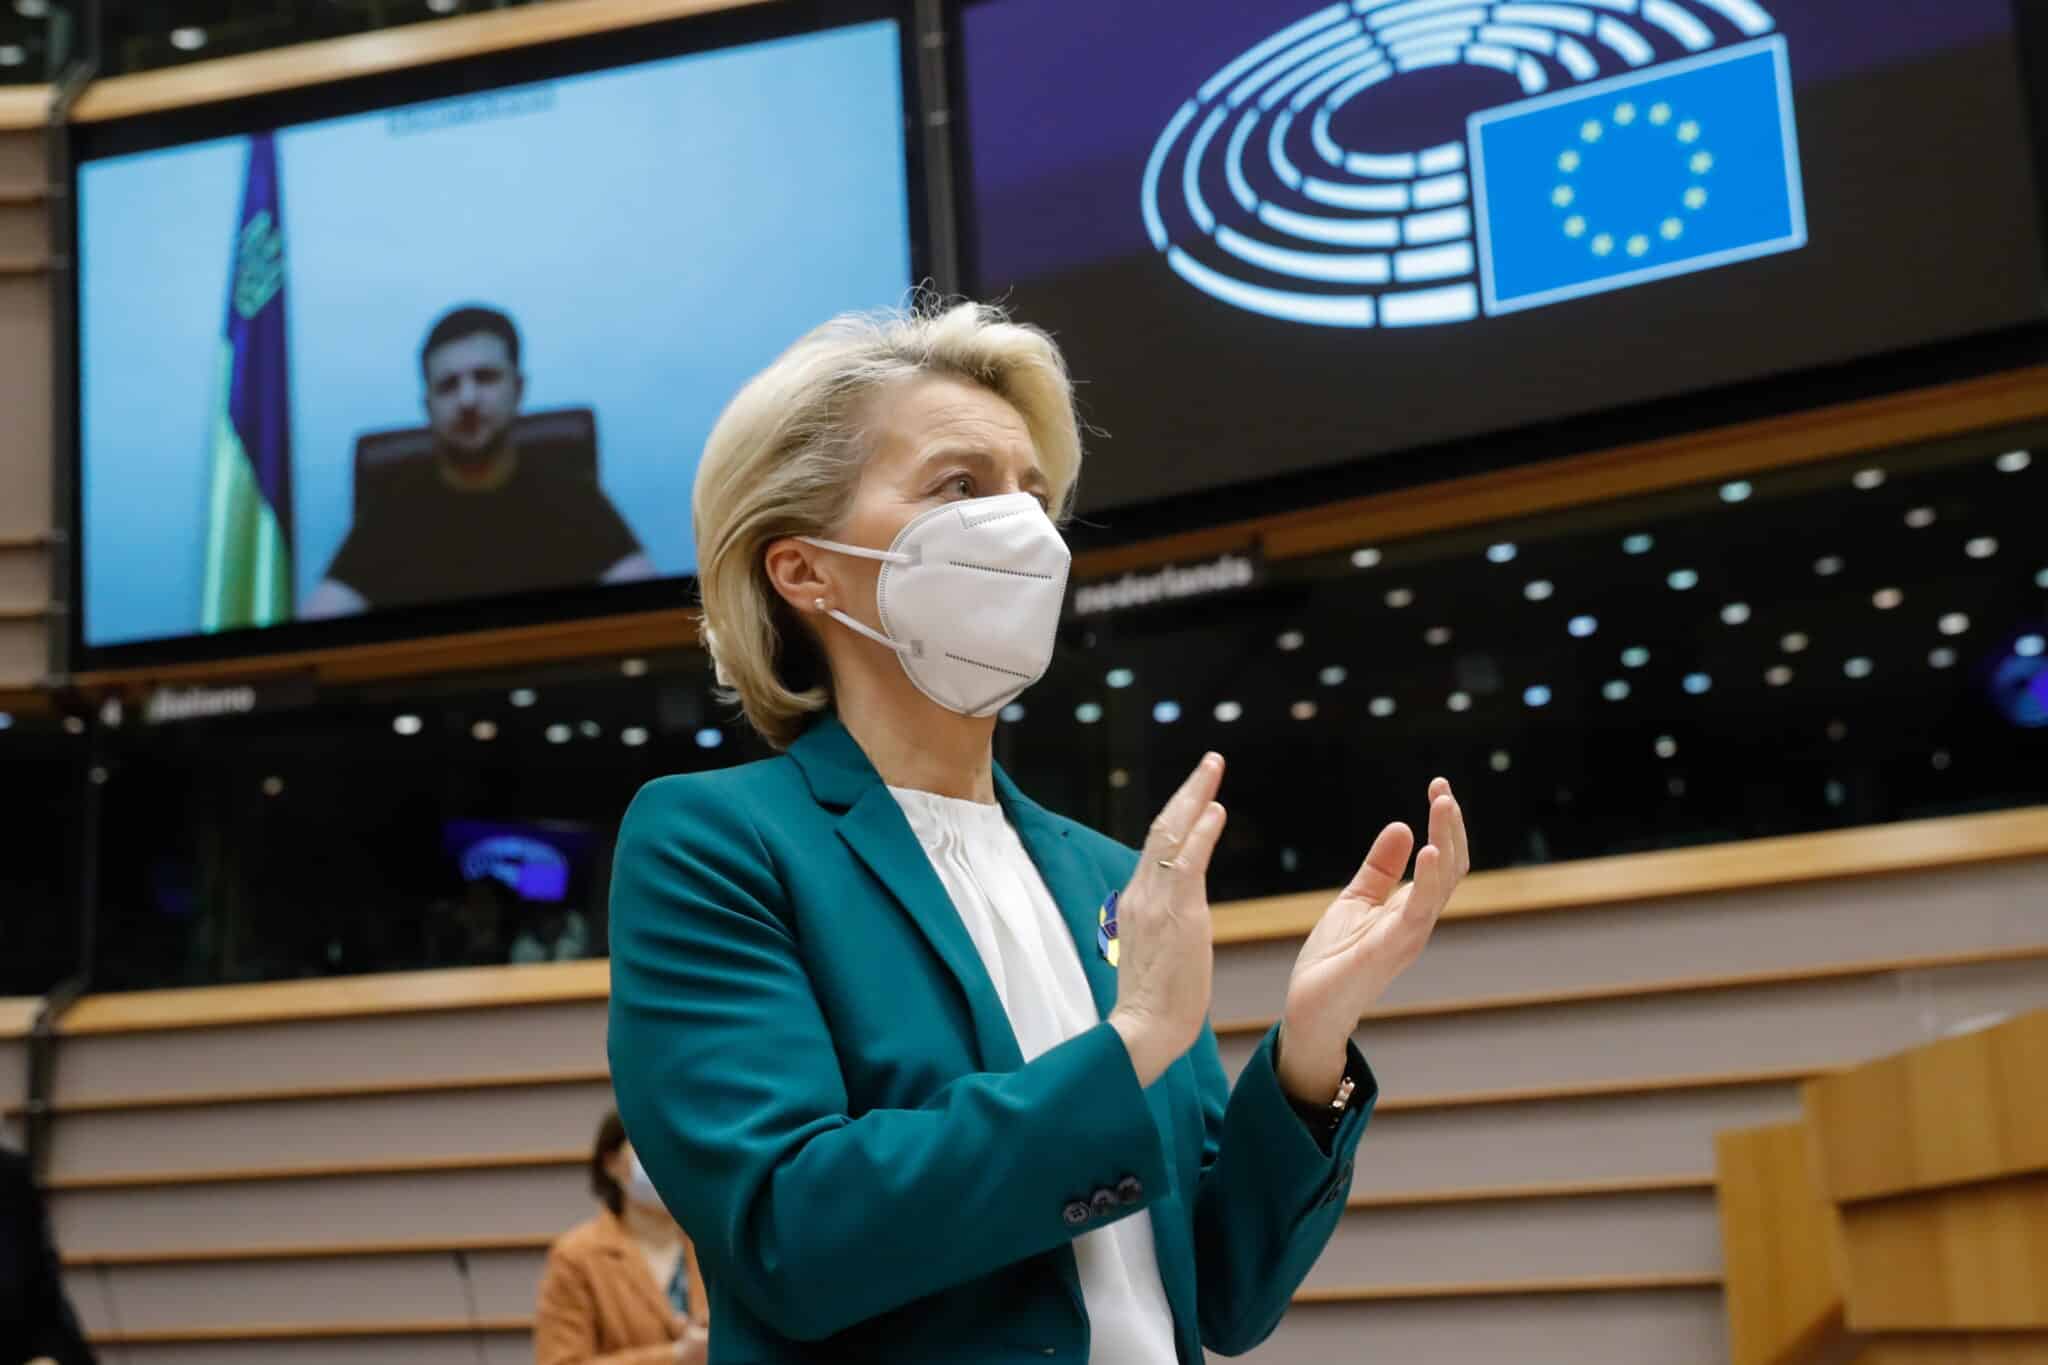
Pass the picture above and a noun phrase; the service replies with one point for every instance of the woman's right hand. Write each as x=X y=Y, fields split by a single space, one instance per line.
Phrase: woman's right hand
x=1165 y=954
x=694 y=1346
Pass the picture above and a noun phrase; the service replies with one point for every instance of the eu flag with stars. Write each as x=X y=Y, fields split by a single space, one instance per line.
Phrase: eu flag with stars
x=1687 y=166
x=248 y=578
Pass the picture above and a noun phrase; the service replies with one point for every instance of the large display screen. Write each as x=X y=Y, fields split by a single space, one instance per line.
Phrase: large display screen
x=467 y=347
x=1279 y=237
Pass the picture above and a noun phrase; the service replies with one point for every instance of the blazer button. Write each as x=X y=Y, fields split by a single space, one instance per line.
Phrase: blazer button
x=1075 y=1213
x=1104 y=1203
x=1130 y=1190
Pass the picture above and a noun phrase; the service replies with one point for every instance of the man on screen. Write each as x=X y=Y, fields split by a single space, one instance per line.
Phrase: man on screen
x=476 y=520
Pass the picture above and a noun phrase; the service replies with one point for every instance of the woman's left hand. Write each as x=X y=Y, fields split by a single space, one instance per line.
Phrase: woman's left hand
x=1369 y=935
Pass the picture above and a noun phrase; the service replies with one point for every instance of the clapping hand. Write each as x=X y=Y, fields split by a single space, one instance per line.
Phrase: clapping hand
x=1369 y=935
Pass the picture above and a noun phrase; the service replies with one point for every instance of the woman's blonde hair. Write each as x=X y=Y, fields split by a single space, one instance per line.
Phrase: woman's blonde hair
x=786 y=457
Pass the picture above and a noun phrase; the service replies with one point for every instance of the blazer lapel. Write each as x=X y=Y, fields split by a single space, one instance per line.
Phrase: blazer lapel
x=1077 y=887
x=875 y=829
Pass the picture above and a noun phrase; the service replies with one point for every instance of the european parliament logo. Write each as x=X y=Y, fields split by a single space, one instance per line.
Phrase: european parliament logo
x=1653 y=139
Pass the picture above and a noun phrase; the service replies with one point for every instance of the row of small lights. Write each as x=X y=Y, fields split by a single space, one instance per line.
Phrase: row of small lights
x=1539 y=695
x=187 y=39
x=632 y=736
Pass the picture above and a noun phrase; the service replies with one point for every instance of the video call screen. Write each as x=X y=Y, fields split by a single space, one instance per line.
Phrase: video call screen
x=465 y=348
x=1278 y=237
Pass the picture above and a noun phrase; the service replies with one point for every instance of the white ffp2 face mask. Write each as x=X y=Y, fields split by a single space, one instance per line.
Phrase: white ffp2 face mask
x=969 y=598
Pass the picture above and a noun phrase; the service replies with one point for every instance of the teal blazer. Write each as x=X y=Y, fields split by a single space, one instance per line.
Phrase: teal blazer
x=815 y=1069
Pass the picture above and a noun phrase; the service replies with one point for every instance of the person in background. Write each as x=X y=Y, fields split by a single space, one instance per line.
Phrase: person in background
x=476 y=520
x=623 y=1288
x=36 y=1322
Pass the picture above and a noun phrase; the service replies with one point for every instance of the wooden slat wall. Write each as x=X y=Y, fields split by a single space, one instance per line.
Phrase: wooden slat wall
x=26 y=345
x=303 y=1161
x=16 y=1018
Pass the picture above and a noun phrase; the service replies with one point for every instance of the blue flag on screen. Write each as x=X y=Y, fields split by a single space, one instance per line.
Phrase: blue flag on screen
x=249 y=509
x=1681 y=167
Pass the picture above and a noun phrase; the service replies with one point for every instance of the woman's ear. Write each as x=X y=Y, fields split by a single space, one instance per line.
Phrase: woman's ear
x=794 y=572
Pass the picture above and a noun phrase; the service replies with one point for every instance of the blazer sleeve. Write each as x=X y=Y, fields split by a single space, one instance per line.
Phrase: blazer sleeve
x=728 y=1079
x=1270 y=1196
x=565 y=1322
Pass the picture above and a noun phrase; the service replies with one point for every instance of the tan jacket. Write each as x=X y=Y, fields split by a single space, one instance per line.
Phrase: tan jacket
x=600 y=1306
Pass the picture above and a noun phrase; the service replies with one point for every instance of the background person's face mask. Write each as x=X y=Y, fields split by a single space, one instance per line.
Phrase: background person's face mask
x=969 y=597
x=640 y=1186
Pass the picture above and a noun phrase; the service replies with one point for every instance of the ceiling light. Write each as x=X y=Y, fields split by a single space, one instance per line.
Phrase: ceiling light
x=1635 y=656
x=2028 y=646
x=1981 y=547
x=1835 y=792
x=633 y=668
x=73 y=725
x=1500 y=553
x=1794 y=643
x=1382 y=707
x=1615 y=690
x=1827 y=566
x=1333 y=676
x=1676 y=786
x=1119 y=778
x=273 y=786
x=13 y=54
x=1501 y=761
x=6 y=720
x=2041 y=579
x=1398 y=598
x=32 y=9
x=1837 y=731
x=2013 y=461
x=590 y=729
x=1884 y=599
x=1940 y=759
x=1638 y=544
x=1944 y=657
x=1581 y=626
x=1858 y=667
x=1441 y=635
x=444 y=6
x=1088 y=712
x=1365 y=558
x=1166 y=712
x=1697 y=684
x=1667 y=747
x=1954 y=623
x=1012 y=713
x=1920 y=518
x=1120 y=677
x=558 y=733
x=1291 y=640
x=1228 y=711
x=1736 y=490
x=633 y=736
x=1538 y=590
x=710 y=737
x=524 y=696
x=1303 y=710
x=188 y=39
x=1536 y=695
x=1867 y=479
x=407 y=724
x=1682 y=580
x=1735 y=613
x=485 y=730
x=1459 y=701
x=1777 y=675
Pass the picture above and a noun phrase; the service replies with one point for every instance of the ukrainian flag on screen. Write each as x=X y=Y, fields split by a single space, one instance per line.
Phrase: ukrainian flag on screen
x=1677 y=168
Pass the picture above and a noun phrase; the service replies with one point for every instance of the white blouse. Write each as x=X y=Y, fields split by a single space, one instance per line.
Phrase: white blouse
x=1035 y=964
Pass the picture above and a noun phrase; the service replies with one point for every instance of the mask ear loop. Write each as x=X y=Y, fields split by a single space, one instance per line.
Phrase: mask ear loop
x=863 y=552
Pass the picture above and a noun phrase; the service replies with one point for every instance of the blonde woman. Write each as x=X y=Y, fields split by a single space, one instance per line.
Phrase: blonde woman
x=924 y=1066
